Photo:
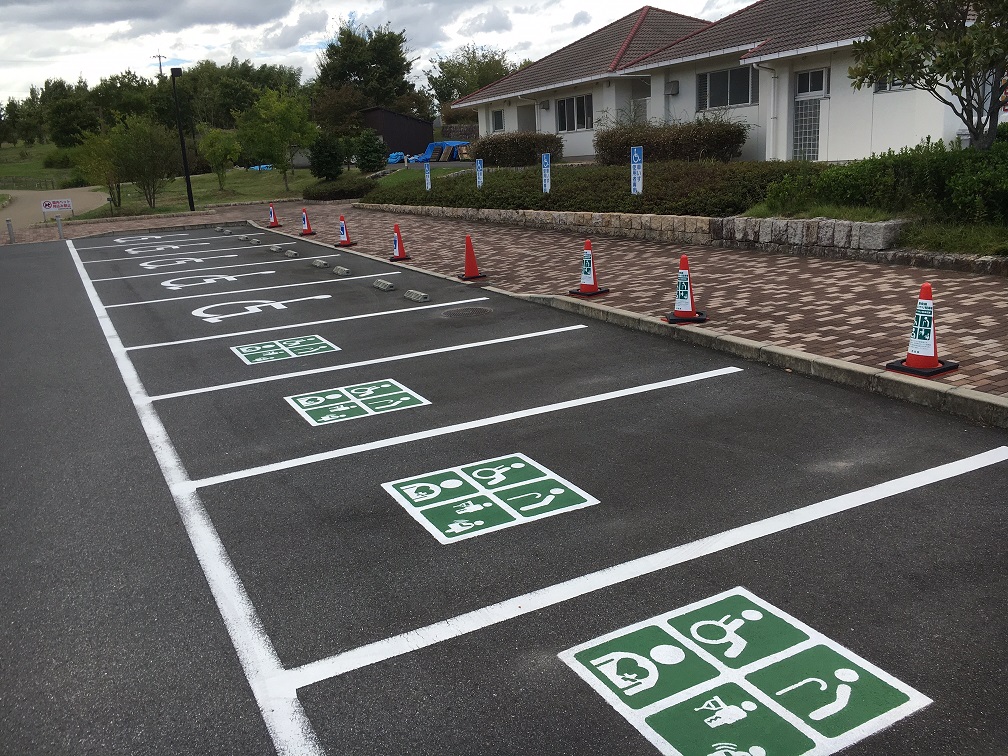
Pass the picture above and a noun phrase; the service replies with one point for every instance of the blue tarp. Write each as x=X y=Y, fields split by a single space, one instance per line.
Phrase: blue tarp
x=396 y=157
x=425 y=158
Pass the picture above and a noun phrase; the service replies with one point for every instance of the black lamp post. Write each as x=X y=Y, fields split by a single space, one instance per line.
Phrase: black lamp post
x=175 y=73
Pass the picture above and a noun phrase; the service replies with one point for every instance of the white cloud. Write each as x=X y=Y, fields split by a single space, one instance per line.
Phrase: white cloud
x=494 y=20
x=581 y=18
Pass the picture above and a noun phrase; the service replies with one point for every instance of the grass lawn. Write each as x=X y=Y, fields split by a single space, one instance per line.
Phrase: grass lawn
x=974 y=239
x=4 y=197
x=414 y=175
x=26 y=162
x=837 y=212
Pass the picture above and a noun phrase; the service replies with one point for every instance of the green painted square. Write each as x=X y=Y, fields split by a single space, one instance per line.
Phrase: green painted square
x=503 y=471
x=645 y=666
x=434 y=488
x=469 y=515
x=828 y=691
x=388 y=402
x=540 y=497
x=363 y=391
x=737 y=631
x=320 y=399
x=335 y=413
x=726 y=720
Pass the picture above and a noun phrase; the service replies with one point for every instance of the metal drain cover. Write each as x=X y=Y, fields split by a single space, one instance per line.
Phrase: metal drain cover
x=467 y=312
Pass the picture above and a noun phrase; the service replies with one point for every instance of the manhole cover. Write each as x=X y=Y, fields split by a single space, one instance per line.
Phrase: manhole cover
x=467 y=312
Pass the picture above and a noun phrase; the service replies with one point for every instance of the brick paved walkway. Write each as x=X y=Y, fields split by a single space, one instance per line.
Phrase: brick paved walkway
x=854 y=311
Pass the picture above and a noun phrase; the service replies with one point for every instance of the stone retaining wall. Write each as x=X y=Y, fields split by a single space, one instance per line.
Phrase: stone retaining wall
x=816 y=237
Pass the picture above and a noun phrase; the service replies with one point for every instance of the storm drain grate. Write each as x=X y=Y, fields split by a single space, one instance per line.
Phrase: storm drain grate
x=467 y=312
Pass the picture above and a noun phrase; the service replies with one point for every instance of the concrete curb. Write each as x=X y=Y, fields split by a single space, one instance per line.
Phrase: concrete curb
x=986 y=409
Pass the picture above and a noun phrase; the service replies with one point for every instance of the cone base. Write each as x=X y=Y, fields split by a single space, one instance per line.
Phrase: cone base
x=307 y=233
x=579 y=293
x=672 y=318
x=347 y=244
x=275 y=225
x=900 y=366
x=464 y=277
x=400 y=259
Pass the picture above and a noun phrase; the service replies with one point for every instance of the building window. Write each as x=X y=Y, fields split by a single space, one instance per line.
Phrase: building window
x=575 y=113
x=497 y=120
x=812 y=84
x=806 y=129
x=890 y=85
x=735 y=86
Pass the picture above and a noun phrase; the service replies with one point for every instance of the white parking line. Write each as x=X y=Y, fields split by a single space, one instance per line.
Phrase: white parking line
x=249 y=291
x=397 y=311
x=455 y=428
x=281 y=710
x=187 y=271
x=147 y=236
x=363 y=363
x=178 y=253
x=479 y=619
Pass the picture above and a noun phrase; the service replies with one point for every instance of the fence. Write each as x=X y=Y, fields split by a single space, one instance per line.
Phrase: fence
x=28 y=182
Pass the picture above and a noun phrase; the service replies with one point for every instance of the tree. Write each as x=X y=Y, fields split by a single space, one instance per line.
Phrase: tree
x=368 y=67
x=150 y=156
x=327 y=156
x=123 y=95
x=31 y=119
x=275 y=128
x=939 y=47
x=221 y=149
x=68 y=111
x=8 y=122
x=372 y=152
x=464 y=71
x=101 y=157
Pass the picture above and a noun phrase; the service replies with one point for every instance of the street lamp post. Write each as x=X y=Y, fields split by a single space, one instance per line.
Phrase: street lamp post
x=175 y=73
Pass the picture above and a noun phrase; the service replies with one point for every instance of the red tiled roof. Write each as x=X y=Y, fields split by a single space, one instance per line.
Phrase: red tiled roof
x=599 y=53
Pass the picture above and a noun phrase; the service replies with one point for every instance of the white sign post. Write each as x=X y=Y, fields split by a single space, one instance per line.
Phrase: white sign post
x=636 y=170
x=426 y=173
x=479 y=173
x=56 y=206
x=546 y=172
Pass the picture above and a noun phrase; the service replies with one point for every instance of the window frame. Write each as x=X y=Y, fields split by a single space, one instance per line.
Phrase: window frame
x=812 y=94
x=705 y=89
x=585 y=114
x=493 y=121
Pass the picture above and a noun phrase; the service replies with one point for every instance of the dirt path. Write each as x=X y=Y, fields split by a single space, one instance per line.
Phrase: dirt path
x=25 y=208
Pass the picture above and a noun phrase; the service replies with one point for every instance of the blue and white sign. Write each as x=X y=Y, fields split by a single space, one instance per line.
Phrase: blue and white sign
x=426 y=175
x=479 y=173
x=636 y=170
x=546 y=172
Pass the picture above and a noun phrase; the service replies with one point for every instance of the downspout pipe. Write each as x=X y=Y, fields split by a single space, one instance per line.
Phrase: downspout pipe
x=772 y=125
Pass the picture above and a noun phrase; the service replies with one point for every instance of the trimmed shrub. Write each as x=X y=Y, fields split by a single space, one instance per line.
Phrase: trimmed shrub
x=327 y=156
x=517 y=149
x=345 y=187
x=372 y=152
x=706 y=138
x=58 y=158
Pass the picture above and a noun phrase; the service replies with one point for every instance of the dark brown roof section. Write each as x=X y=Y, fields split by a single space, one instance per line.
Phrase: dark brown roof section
x=774 y=26
x=599 y=53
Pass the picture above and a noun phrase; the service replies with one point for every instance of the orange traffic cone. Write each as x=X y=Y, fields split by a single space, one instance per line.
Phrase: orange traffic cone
x=589 y=284
x=344 y=235
x=922 y=354
x=274 y=223
x=685 y=309
x=305 y=225
x=398 y=250
x=471 y=269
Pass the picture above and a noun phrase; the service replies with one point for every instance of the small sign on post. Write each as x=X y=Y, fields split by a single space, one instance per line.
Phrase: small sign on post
x=56 y=206
x=546 y=172
x=479 y=173
x=426 y=173
x=636 y=170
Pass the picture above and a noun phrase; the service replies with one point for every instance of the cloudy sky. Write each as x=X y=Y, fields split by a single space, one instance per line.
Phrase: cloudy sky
x=44 y=39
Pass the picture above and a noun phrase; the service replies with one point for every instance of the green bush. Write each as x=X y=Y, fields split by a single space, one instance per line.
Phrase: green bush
x=706 y=138
x=372 y=152
x=345 y=187
x=58 y=158
x=517 y=149
x=674 y=188
x=1002 y=132
x=327 y=156
x=76 y=179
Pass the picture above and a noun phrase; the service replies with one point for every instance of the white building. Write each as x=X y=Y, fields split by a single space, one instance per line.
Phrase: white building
x=780 y=65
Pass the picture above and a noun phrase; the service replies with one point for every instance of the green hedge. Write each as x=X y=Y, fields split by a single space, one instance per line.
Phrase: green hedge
x=345 y=187
x=517 y=149
x=702 y=139
x=931 y=180
x=674 y=188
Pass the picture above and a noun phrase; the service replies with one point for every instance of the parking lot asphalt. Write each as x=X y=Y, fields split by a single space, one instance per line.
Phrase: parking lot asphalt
x=273 y=509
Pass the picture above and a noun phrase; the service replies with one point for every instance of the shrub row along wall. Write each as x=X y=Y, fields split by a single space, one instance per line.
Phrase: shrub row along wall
x=818 y=237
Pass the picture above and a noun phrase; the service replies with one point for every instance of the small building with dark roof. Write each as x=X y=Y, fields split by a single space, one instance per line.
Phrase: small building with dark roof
x=401 y=133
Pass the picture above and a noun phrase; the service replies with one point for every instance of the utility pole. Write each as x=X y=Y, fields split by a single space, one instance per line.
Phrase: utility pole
x=159 y=57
